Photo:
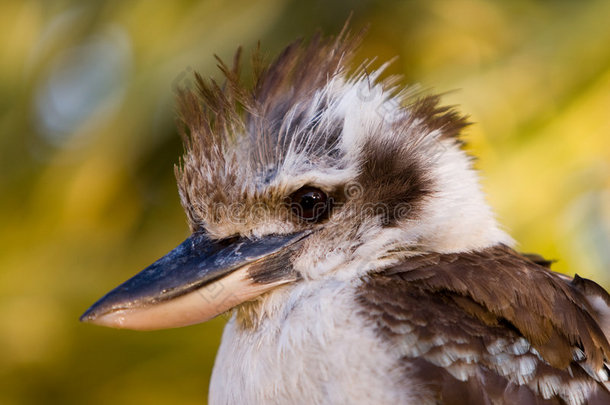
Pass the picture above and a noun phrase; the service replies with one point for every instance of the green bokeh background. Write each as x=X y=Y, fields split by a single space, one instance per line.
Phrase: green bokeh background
x=88 y=144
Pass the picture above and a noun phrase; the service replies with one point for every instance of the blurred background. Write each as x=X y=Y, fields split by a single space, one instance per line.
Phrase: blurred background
x=88 y=145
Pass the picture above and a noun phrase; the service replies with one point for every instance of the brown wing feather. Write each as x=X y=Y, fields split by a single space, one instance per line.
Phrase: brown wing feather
x=490 y=327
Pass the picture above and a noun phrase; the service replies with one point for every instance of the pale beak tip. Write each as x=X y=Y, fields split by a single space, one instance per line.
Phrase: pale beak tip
x=95 y=315
x=88 y=316
x=109 y=319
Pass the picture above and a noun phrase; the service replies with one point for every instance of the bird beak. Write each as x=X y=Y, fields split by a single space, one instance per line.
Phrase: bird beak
x=198 y=280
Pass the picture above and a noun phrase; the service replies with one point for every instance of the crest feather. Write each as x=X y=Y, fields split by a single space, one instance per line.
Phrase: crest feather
x=238 y=132
x=229 y=125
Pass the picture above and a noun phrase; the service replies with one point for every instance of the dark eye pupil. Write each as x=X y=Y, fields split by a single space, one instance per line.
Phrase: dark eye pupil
x=309 y=200
x=309 y=203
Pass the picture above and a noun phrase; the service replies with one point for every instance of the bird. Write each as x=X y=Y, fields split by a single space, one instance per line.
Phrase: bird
x=337 y=219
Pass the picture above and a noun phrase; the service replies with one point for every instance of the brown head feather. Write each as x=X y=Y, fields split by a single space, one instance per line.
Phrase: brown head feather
x=237 y=136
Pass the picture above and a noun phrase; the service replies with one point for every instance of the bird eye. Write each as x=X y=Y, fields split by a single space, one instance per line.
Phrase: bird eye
x=310 y=204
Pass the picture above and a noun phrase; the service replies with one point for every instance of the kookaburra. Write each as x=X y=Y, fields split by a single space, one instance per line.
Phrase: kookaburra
x=336 y=217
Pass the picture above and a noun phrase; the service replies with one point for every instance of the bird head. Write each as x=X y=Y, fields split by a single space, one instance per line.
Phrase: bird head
x=310 y=173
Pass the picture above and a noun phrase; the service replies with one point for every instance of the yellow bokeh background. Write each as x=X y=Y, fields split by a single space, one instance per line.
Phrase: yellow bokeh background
x=88 y=144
